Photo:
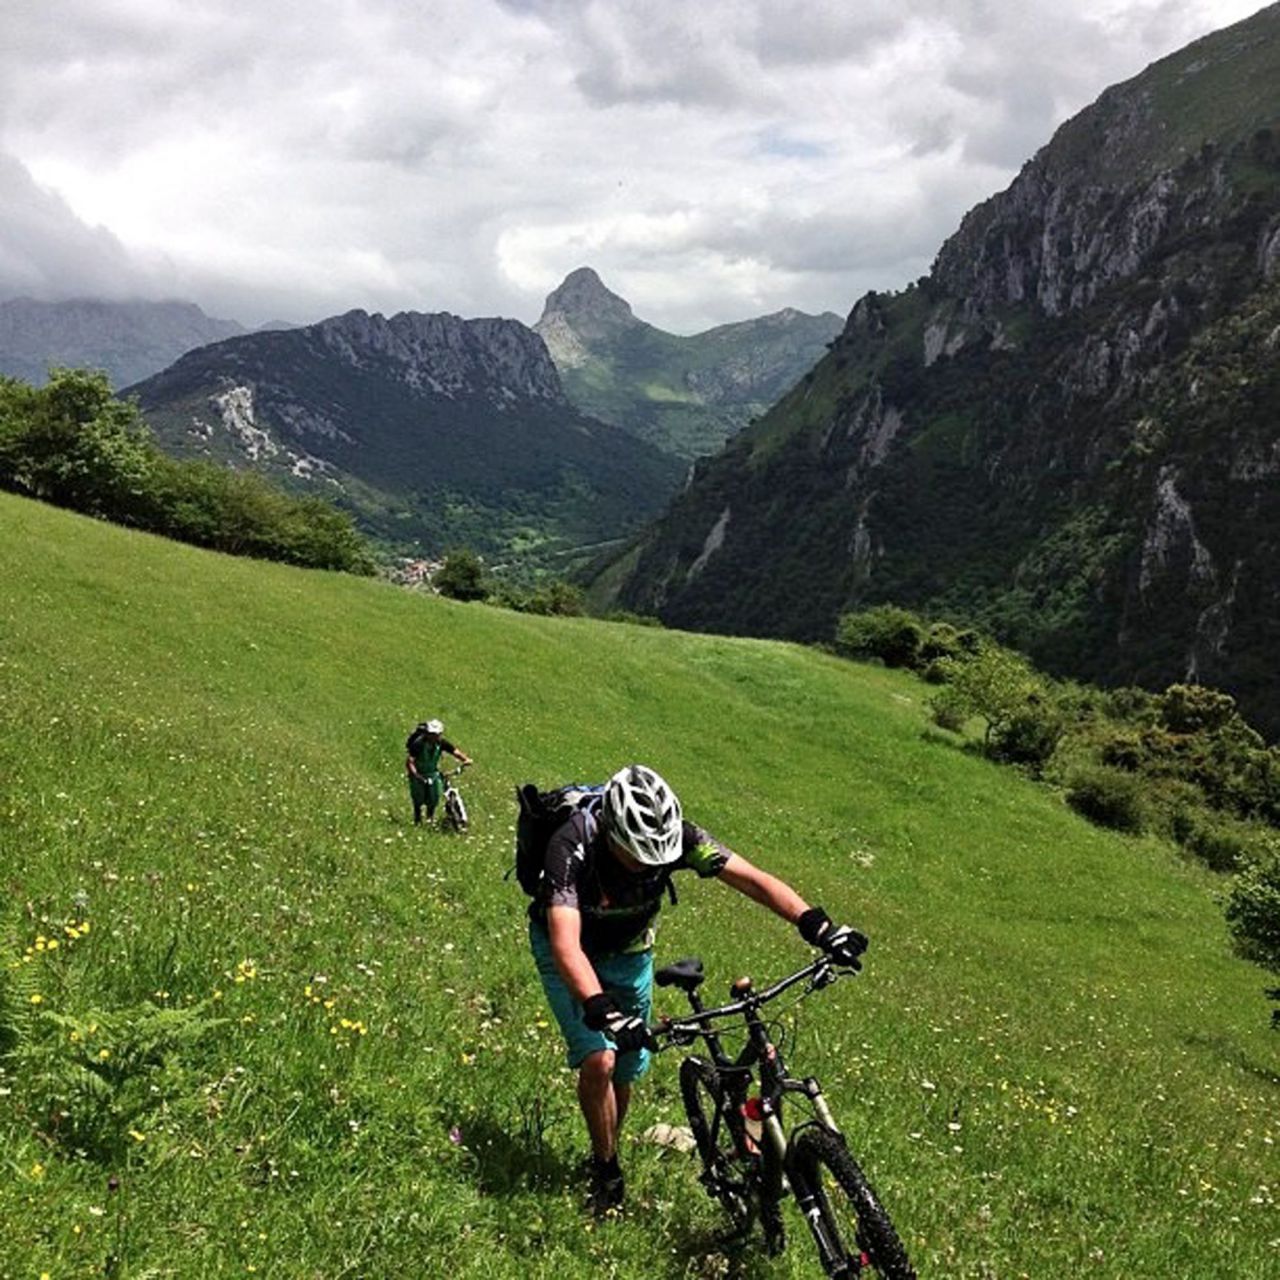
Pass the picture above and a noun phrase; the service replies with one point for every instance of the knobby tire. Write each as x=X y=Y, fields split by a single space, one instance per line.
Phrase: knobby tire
x=720 y=1133
x=855 y=1221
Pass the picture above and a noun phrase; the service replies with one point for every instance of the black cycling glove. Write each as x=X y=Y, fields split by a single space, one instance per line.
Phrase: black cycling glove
x=626 y=1030
x=843 y=944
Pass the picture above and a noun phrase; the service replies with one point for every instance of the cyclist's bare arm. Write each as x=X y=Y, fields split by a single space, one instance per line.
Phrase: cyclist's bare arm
x=564 y=927
x=763 y=888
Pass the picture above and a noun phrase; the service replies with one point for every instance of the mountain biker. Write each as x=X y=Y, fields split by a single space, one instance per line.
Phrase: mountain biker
x=424 y=748
x=591 y=929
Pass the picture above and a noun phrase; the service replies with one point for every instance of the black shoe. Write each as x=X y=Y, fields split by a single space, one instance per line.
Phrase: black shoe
x=607 y=1191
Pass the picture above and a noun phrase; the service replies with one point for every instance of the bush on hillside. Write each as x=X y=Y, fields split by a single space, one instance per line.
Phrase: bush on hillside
x=1193 y=708
x=1000 y=687
x=73 y=444
x=462 y=576
x=1221 y=844
x=551 y=599
x=1253 y=916
x=886 y=632
x=1109 y=798
x=1030 y=736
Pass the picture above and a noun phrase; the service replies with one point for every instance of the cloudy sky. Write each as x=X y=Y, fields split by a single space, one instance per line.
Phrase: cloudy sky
x=712 y=159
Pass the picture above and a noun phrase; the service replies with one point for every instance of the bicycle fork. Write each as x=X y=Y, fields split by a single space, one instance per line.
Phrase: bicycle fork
x=837 y=1261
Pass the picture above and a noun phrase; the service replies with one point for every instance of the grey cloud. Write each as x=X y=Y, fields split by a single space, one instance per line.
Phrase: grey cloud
x=299 y=157
x=46 y=252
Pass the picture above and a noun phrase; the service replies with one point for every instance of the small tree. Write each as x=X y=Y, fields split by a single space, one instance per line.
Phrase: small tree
x=1253 y=915
x=462 y=576
x=996 y=684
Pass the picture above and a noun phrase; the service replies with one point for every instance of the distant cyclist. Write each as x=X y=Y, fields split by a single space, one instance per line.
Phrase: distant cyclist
x=591 y=929
x=423 y=749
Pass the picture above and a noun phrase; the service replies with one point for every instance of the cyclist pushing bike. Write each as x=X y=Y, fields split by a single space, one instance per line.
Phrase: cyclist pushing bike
x=425 y=745
x=591 y=928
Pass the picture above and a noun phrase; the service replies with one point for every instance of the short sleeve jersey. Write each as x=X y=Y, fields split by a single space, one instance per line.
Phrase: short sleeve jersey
x=426 y=754
x=617 y=906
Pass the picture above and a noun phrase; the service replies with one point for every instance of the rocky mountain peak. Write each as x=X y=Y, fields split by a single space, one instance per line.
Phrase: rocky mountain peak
x=444 y=353
x=585 y=306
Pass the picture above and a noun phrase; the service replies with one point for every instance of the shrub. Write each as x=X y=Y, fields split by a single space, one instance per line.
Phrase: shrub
x=1124 y=751
x=73 y=444
x=996 y=684
x=1193 y=708
x=1109 y=798
x=1253 y=916
x=462 y=576
x=1030 y=736
x=886 y=632
x=1221 y=846
x=947 y=715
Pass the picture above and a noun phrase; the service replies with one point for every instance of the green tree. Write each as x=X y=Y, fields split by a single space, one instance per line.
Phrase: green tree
x=995 y=684
x=72 y=443
x=893 y=635
x=462 y=576
x=1253 y=916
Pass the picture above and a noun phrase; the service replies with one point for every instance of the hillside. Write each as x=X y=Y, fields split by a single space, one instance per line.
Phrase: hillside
x=128 y=340
x=685 y=395
x=1051 y=1063
x=430 y=430
x=1068 y=432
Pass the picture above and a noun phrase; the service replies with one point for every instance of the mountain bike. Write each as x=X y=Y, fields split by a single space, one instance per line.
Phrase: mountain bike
x=454 y=816
x=750 y=1161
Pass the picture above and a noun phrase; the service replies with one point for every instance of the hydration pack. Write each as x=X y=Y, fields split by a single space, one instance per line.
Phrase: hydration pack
x=541 y=814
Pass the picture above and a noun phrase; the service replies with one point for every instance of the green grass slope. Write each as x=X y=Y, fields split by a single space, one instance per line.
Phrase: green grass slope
x=1051 y=1063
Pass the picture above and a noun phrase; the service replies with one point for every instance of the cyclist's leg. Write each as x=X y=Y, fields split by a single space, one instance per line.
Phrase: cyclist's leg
x=417 y=797
x=434 y=790
x=604 y=1076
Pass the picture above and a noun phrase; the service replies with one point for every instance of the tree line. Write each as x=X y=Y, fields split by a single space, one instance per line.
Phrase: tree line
x=73 y=444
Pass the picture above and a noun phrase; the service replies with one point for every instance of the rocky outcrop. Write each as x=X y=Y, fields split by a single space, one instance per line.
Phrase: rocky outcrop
x=501 y=359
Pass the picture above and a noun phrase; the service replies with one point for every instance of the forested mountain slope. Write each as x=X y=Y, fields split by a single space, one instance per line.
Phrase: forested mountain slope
x=1069 y=431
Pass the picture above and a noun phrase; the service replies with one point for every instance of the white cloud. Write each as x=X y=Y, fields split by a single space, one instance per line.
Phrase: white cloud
x=293 y=158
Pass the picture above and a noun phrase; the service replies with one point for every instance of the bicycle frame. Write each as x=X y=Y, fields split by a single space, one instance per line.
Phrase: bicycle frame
x=762 y=1055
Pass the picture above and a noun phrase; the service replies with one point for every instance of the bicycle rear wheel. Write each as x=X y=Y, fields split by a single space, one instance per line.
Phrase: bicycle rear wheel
x=850 y=1227
x=721 y=1135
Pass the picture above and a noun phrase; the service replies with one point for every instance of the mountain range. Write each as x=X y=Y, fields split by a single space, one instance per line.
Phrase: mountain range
x=433 y=431
x=1069 y=431
x=129 y=340
x=436 y=431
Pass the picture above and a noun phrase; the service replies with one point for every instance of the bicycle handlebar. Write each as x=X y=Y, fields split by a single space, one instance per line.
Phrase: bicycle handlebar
x=823 y=970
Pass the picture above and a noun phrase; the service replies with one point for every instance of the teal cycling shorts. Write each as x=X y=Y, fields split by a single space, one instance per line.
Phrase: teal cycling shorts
x=627 y=978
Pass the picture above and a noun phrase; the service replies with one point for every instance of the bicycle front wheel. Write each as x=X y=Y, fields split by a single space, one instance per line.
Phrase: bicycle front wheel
x=720 y=1133
x=850 y=1227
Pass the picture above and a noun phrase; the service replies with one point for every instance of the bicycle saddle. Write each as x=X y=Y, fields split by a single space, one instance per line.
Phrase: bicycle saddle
x=686 y=974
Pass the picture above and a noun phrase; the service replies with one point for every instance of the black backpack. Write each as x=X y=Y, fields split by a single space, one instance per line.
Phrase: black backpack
x=415 y=739
x=541 y=814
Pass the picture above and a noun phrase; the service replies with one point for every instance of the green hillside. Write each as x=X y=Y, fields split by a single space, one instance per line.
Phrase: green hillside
x=1051 y=1064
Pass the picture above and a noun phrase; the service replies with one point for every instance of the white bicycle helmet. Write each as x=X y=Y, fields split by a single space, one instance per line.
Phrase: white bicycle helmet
x=434 y=726
x=643 y=814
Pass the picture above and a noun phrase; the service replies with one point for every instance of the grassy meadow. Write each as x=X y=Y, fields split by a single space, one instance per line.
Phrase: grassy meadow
x=253 y=1022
